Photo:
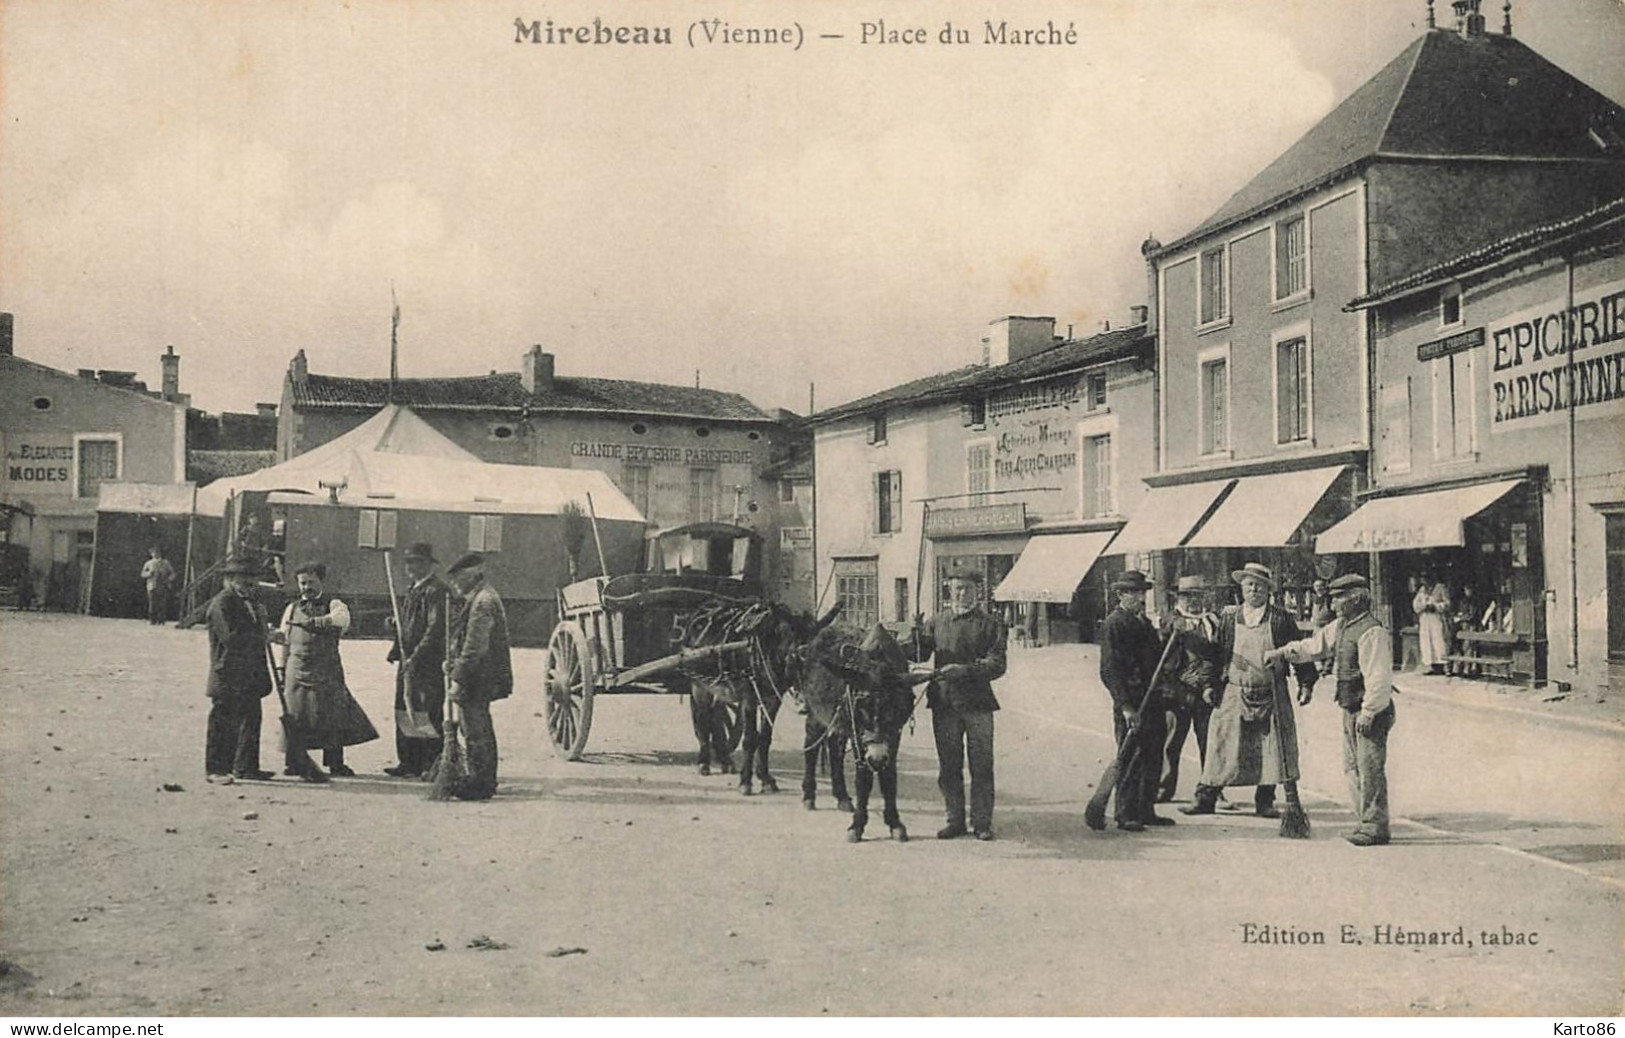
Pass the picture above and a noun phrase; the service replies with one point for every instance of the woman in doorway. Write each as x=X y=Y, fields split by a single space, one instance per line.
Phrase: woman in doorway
x=1432 y=607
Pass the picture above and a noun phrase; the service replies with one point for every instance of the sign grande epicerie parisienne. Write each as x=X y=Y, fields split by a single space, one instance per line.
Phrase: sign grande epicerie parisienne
x=1531 y=380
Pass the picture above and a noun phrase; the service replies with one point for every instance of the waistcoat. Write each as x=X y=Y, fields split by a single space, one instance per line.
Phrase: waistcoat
x=1346 y=663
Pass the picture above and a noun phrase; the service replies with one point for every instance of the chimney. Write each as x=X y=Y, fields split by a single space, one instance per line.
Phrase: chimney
x=1012 y=338
x=1149 y=249
x=1506 y=19
x=536 y=371
x=171 y=362
x=1137 y=315
x=265 y=410
x=1469 y=22
x=298 y=370
x=88 y=374
x=1105 y=326
x=5 y=335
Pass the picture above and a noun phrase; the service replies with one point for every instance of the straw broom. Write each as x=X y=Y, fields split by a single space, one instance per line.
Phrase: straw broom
x=1294 y=819
x=451 y=769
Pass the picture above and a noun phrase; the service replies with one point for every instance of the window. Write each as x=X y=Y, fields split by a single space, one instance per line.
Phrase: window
x=973 y=412
x=1215 y=286
x=485 y=533
x=1215 y=406
x=635 y=481
x=1450 y=305
x=1098 y=498
x=877 y=428
x=1292 y=390
x=98 y=463
x=1453 y=406
x=787 y=491
x=978 y=472
x=888 y=502
x=377 y=528
x=857 y=588
x=899 y=589
x=1291 y=257
x=702 y=495
x=1094 y=396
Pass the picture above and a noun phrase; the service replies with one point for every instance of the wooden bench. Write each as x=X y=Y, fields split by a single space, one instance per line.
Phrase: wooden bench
x=1489 y=652
x=1500 y=666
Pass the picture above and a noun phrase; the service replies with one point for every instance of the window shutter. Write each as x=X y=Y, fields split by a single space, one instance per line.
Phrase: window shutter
x=476 y=532
x=896 y=500
x=367 y=528
x=387 y=523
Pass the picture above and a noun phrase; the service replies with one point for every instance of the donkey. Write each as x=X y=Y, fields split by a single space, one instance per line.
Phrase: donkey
x=858 y=685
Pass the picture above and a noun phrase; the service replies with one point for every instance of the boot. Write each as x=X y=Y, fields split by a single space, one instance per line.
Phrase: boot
x=1206 y=797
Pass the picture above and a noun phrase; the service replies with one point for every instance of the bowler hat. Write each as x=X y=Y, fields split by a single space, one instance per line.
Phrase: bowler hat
x=468 y=561
x=1131 y=580
x=237 y=566
x=971 y=575
x=1348 y=582
x=422 y=551
x=1254 y=571
x=1193 y=582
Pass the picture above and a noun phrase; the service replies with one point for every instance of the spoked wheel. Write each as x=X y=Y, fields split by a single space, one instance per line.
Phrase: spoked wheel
x=571 y=683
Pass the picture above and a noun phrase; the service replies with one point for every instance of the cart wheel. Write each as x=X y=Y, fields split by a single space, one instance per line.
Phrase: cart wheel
x=732 y=729
x=571 y=682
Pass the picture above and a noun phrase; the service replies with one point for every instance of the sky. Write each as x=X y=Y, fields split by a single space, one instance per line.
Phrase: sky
x=243 y=180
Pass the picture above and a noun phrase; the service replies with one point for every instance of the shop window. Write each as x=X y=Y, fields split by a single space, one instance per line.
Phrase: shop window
x=485 y=533
x=888 y=501
x=1215 y=287
x=376 y=528
x=702 y=495
x=1214 y=408
x=1291 y=257
x=1453 y=434
x=1098 y=498
x=978 y=472
x=1292 y=390
x=635 y=482
x=98 y=460
x=857 y=586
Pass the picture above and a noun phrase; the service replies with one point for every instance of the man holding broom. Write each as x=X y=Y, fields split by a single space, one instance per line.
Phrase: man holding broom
x=1362 y=665
x=1129 y=651
x=479 y=669
x=1253 y=736
x=420 y=649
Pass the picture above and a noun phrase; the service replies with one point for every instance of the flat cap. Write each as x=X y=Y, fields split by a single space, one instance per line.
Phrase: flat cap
x=468 y=561
x=1349 y=582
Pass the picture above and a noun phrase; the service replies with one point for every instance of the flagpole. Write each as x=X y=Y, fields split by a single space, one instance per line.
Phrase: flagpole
x=394 y=348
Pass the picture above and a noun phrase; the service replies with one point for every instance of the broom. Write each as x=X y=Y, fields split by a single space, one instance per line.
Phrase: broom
x=1294 y=819
x=450 y=770
x=1094 y=815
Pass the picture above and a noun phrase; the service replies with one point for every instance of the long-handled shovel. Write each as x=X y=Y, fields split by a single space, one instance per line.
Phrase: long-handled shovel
x=410 y=723
x=297 y=754
x=450 y=770
x=1094 y=815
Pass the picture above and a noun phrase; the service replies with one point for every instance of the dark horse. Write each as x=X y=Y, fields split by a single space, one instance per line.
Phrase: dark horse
x=752 y=679
x=856 y=685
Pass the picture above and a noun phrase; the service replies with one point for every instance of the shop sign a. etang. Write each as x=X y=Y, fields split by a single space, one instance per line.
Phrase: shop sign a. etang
x=1532 y=381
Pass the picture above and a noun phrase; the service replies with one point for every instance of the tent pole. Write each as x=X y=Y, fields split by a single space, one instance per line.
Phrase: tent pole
x=186 y=567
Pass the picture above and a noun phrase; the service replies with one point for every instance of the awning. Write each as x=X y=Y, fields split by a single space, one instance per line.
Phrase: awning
x=1265 y=511
x=1165 y=516
x=1430 y=520
x=1051 y=567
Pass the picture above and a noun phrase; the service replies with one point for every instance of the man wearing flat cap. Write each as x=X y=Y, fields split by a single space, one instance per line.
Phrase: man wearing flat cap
x=420 y=649
x=1190 y=670
x=1252 y=737
x=479 y=670
x=1360 y=652
x=1129 y=651
x=968 y=645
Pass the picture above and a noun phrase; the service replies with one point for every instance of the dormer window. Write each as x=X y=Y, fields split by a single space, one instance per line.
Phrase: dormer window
x=877 y=428
x=974 y=412
x=1449 y=305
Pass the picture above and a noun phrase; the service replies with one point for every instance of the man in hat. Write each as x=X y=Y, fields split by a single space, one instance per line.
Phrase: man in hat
x=1360 y=651
x=238 y=678
x=1129 y=651
x=479 y=669
x=1252 y=735
x=968 y=645
x=1190 y=670
x=420 y=649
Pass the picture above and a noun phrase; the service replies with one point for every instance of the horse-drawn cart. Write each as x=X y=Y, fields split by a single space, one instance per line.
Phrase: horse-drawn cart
x=625 y=634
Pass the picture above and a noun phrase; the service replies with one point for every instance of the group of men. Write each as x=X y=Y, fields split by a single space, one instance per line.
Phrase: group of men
x=1226 y=677
x=451 y=645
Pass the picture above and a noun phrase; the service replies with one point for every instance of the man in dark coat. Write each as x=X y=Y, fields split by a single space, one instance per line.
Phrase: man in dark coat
x=1190 y=670
x=420 y=649
x=479 y=666
x=968 y=645
x=238 y=678
x=1253 y=735
x=1129 y=650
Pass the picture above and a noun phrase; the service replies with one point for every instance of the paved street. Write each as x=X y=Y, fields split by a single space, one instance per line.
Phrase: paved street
x=119 y=897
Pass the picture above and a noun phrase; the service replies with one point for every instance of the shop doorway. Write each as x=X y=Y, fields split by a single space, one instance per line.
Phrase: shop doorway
x=1615 y=533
